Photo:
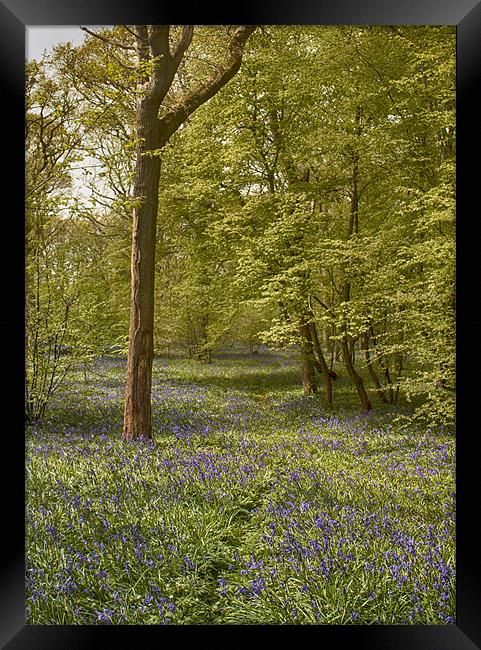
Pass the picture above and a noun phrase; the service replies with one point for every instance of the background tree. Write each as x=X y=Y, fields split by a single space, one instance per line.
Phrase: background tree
x=65 y=289
x=323 y=222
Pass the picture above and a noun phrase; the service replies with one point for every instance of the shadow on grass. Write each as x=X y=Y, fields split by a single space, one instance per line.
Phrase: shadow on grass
x=236 y=391
x=278 y=380
x=231 y=370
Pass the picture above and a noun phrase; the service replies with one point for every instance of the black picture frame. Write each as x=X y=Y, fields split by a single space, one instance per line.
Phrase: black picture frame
x=15 y=15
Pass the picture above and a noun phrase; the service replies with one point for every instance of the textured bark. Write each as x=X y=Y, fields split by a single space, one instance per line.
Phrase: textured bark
x=137 y=408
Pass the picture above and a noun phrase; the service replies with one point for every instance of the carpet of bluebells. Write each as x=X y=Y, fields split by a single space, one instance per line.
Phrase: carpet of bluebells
x=253 y=504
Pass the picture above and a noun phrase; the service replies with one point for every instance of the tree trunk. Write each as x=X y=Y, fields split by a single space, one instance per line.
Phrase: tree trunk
x=308 y=372
x=352 y=350
x=399 y=369
x=384 y=364
x=370 y=367
x=323 y=369
x=357 y=380
x=353 y=228
x=387 y=376
x=137 y=408
x=158 y=64
x=202 y=352
x=348 y=359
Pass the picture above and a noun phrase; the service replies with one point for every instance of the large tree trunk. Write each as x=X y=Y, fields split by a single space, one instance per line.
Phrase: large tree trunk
x=137 y=409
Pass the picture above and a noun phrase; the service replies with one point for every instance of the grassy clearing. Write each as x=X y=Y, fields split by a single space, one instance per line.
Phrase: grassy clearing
x=252 y=505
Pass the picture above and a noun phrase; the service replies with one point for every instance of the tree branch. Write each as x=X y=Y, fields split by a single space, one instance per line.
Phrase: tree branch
x=164 y=65
x=184 y=43
x=159 y=40
x=107 y=40
x=170 y=122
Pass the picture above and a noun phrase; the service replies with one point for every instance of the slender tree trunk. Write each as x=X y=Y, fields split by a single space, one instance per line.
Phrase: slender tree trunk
x=399 y=369
x=137 y=408
x=370 y=367
x=308 y=373
x=352 y=350
x=348 y=360
x=383 y=363
x=356 y=379
x=323 y=369
x=387 y=376
x=202 y=352
x=354 y=229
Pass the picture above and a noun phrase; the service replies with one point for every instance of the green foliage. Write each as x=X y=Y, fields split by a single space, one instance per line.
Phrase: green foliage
x=320 y=120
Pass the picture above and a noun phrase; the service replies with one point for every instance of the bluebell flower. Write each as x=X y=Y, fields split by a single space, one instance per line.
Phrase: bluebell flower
x=104 y=616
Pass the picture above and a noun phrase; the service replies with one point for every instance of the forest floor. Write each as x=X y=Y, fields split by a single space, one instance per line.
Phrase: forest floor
x=253 y=504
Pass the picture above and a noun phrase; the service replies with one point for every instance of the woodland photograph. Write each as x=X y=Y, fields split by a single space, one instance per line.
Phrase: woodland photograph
x=240 y=325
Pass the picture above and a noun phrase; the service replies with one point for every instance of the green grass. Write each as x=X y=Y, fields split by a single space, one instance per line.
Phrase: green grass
x=252 y=505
